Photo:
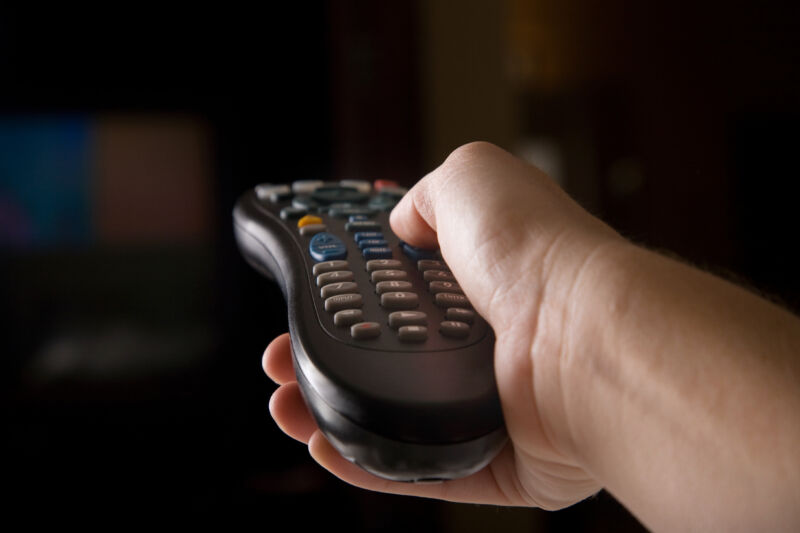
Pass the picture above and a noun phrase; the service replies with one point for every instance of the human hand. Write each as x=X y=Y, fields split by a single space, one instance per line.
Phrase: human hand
x=518 y=246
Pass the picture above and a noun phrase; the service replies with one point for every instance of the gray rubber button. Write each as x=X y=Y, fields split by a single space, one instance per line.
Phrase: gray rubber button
x=362 y=225
x=412 y=334
x=388 y=275
x=265 y=191
x=430 y=264
x=461 y=315
x=306 y=186
x=454 y=329
x=312 y=229
x=382 y=264
x=289 y=213
x=444 y=286
x=329 y=266
x=348 y=317
x=338 y=288
x=383 y=287
x=334 y=277
x=399 y=319
x=365 y=330
x=437 y=275
x=399 y=300
x=448 y=299
x=343 y=301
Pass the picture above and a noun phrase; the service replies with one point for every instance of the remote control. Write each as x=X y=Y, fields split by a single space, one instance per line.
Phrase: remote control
x=392 y=361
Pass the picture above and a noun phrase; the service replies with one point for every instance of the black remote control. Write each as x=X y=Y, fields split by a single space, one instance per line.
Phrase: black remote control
x=392 y=361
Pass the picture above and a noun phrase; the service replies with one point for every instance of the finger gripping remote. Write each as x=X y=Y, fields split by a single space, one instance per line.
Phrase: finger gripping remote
x=392 y=361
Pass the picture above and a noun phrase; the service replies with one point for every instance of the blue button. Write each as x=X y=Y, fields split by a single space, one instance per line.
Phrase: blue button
x=372 y=243
x=361 y=235
x=362 y=225
x=377 y=253
x=326 y=247
x=419 y=253
x=354 y=218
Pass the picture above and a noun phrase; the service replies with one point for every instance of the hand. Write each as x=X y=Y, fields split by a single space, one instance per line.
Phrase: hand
x=518 y=246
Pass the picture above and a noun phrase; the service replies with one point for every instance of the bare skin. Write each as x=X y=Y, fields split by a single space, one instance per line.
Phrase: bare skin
x=617 y=368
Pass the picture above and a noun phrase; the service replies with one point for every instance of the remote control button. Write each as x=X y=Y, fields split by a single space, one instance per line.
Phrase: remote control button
x=306 y=186
x=327 y=195
x=308 y=219
x=329 y=266
x=362 y=225
x=356 y=218
x=345 y=212
x=399 y=300
x=399 y=319
x=348 y=317
x=278 y=197
x=445 y=286
x=372 y=243
x=361 y=235
x=388 y=275
x=460 y=315
x=334 y=277
x=454 y=329
x=304 y=202
x=266 y=190
x=380 y=184
x=312 y=229
x=448 y=299
x=437 y=275
x=343 y=301
x=392 y=286
x=383 y=202
x=377 y=253
x=383 y=264
x=338 y=288
x=399 y=192
x=288 y=213
x=430 y=264
x=412 y=334
x=359 y=185
x=326 y=247
x=365 y=330
x=418 y=253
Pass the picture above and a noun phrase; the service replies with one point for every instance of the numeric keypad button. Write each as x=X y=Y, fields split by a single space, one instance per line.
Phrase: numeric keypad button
x=438 y=275
x=448 y=299
x=412 y=334
x=365 y=330
x=383 y=287
x=348 y=317
x=388 y=275
x=460 y=315
x=454 y=329
x=334 y=277
x=383 y=264
x=398 y=319
x=399 y=300
x=329 y=266
x=343 y=301
x=445 y=286
x=430 y=264
x=333 y=289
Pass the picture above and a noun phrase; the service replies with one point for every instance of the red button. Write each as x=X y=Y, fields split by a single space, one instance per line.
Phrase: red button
x=380 y=184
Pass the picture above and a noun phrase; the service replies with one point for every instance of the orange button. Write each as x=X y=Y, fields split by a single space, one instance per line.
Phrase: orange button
x=308 y=219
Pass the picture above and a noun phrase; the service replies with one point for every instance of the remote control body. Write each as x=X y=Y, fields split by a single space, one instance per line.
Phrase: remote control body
x=393 y=363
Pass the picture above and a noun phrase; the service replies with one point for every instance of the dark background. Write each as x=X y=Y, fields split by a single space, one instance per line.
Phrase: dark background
x=133 y=330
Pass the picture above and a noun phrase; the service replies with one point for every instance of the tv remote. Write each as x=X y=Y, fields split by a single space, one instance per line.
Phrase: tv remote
x=392 y=361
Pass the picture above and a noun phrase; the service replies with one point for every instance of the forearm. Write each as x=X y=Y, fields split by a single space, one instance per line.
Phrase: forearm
x=684 y=395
